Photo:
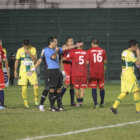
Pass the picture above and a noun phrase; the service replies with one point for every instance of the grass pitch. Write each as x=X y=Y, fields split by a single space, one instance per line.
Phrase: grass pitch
x=17 y=122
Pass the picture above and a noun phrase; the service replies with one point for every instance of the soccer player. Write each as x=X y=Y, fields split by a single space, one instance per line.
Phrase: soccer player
x=129 y=82
x=55 y=76
x=97 y=60
x=2 y=82
x=79 y=71
x=68 y=70
x=27 y=57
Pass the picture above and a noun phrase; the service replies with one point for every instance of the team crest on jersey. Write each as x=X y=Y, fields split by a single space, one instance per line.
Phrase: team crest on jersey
x=124 y=53
x=22 y=53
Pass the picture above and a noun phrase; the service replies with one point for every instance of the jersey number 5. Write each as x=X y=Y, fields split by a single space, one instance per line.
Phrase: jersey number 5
x=97 y=57
x=81 y=60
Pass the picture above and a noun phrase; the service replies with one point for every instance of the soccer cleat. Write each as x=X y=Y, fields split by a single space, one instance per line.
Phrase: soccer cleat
x=96 y=106
x=36 y=103
x=27 y=106
x=41 y=107
x=78 y=104
x=60 y=109
x=114 y=110
x=2 y=108
x=73 y=104
x=53 y=110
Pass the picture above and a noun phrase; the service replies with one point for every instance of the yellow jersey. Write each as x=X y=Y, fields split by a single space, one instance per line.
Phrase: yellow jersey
x=128 y=61
x=26 y=63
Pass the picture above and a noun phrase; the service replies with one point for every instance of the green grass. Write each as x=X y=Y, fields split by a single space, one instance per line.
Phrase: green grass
x=17 y=122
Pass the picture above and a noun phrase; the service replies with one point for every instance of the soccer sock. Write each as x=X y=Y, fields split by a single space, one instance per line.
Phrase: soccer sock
x=137 y=101
x=24 y=95
x=78 y=100
x=94 y=96
x=63 y=91
x=36 y=93
x=119 y=99
x=81 y=100
x=2 y=97
x=72 y=95
x=52 y=98
x=102 y=95
x=43 y=96
x=58 y=96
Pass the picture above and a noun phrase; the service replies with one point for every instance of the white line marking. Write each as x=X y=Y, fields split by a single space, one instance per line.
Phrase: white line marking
x=82 y=130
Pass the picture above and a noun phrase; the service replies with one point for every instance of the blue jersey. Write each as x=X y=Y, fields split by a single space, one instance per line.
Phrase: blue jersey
x=52 y=63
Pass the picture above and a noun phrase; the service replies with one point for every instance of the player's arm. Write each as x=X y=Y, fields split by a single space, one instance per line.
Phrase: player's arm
x=39 y=61
x=16 y=63
x=65 y=47
x=55 y=54
x=33 y=57
x=138 y=56
x=16 y=66
x=105 y=60
x=7 y=67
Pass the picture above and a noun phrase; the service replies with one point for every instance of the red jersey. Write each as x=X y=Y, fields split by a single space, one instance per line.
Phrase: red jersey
x=2 y=56
x=96 y=57
x=79 y=66
x=67 y=64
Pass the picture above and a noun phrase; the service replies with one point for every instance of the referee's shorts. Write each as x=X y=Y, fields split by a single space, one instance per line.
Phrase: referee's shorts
x=53 y=79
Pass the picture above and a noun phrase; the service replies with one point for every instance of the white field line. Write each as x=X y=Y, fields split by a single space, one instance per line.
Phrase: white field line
x=82 y=130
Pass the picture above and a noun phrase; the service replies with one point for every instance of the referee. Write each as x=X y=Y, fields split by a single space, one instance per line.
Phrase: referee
x=55 y=77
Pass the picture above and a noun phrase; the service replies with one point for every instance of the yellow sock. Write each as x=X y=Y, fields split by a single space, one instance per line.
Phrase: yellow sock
x=137 y=101
x=118 y=100
x=24 y=95
x=36 y=93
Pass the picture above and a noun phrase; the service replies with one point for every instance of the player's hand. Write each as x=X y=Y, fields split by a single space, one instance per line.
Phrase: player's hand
x=63 y=72
x=27 y=51
x=79 y=44
x=16 y=74
x=57 y=49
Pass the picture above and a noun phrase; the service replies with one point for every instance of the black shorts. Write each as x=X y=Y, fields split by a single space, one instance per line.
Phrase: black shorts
x=55 y=78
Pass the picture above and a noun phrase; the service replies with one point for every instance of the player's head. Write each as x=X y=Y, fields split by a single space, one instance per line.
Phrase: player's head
x=133 y=44
x=0 y=42
x=52 y=41
x=26 y=43
x=81 y=46
x=95 y=42
x=69 y=41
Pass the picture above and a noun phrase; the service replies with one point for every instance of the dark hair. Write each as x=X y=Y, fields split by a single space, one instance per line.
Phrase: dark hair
x=51 y=39
x=26 y=42
x=68 y=38
x=132 y=42
x=95 y=41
